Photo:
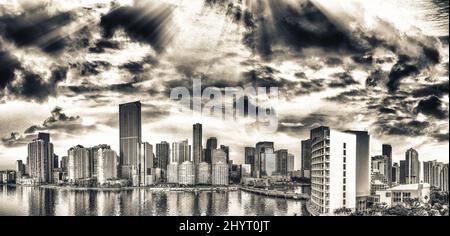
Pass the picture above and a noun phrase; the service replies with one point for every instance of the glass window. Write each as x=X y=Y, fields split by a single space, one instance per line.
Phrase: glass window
x=345 y=145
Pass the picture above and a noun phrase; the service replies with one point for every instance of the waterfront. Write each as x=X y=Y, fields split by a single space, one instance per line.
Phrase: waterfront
x=18 y=200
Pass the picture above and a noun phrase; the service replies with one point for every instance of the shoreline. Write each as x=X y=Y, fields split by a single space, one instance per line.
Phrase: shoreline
x=153 y=188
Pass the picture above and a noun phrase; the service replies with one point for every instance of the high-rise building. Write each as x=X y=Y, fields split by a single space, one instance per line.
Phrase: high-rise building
x=246 y=170
x=395 y=174
x=130 y=129
x=55 y=161
x=211 y=144
x=40 y=159
x=162 y=155
x=432 y=173
x=306 y=158
x=402 y=172
x=258 y=165
x=186 y=173
x=380 y=175
x=78 y=163
x=180 y=152
x=444 y=178
x=219 y=155
x=271 y=162
x=107 y=165
x=63 y=163
x=387 y=152
x=249 y=155
x=172 y=173
x=281 y=161
x=290 y=162
x=412 y=167
x=197 y=142
x=204 y=173
x=226 y=149
x=333 y=170
x=220 y=174
x=145 y=164
x=93 y=158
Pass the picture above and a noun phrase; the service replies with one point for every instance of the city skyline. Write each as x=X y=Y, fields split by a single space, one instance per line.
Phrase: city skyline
x=384 y=69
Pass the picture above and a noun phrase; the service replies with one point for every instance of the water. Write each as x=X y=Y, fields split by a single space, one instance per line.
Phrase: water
x=40 y=201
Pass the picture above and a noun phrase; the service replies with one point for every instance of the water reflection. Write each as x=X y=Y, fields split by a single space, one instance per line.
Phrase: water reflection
x=40 y=201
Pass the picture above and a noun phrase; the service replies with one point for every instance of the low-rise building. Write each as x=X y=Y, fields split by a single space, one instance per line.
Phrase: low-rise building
x=404 y=193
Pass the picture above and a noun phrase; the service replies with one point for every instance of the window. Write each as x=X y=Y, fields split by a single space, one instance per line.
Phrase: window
x=344 y=181
x=406 y=196
x=397 y=197
x=343 y=188
x=388 y=194
x=345 y=153
x=345 y=166
x=344 y=175
x=345 y=145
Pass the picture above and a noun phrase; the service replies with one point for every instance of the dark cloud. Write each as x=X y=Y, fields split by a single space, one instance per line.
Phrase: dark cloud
x=139 y=23
x=431 y=106
x=8 y=66
x=89 y=68
x=343 y=80
x=431 y=89
x=403 y=68
x=36 y=28
x=410 y=128
x=350 y=96
x=103 y=44
x=375 y=77
x=16 y=140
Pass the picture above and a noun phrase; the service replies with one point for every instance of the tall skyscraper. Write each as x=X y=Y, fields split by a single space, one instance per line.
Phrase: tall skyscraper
x=226 y=149
x=93 y=158
x=402 y=179
x=290 y=163
x=145 y=164
x=211 y=144
x=432 y=173
x=249 y=157
x=444 y=178
x=306 y=158
x=412 y=166
x=333 y=170
x=162 y=155
x=258 y=165
x=271 y=162
x=395 y=174
x=387 y=151
x=281 y=161
x=78 y=163
x=130 y=129
x=197 y=142
x=362 y=165
x=40 y=159
x=180 y=152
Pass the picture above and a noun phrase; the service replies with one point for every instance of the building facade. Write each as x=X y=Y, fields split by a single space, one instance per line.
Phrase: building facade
x=220 y=174
x=78 y=163
x=204 y=173
x=186 y=173
x=40 y=159
x=412 y=167
x=130 y=129
x=162 y=155
x=107 y=165
x=197 y=143
x=306 y=158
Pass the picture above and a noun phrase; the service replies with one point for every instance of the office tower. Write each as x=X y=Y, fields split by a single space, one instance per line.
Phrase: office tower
x=211 y=144
x=220 y=174
x=107 y=165
x=444 y=178
x=246 y=171
x=281 y=161
x=412 y=166
x=226 y=149
x=402 y=172
x=204 y=173
x=333 y=170
x=197 y=142
x=172 y=173
x=63 y=163
x=432 y=173
x=363 y=166
x=40 y=159
x=78 y=166
x=145 y=164
x=20 y=169
x=258 y=165
x=290 y=162
x=162 y=155
x=387 y=151
x=249 y=157
x=306 y=158
x=395 y=173
x=93 y=158
x=186 y=173
x=180 y=151
x=271 y=159
x=130 y=137
x=55 y=161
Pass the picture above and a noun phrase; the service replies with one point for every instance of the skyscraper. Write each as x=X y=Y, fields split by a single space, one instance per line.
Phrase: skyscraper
x=197 y=142
x=387 y=151
x=145 y=164
x=402 y=179
x=40 y=159
x=249 y=157
x=107 y=164
x=306 y=158
x=290 y=163
x=281 y=161
x=432 y=173
x=444 y=178
x=395 y=174
x=78 y=163
x=162 y=155
x=211 y=144
x=333 y=170
x=258 y=165
x=226 y=149
x=412 y=166
x=93 y=158
x=271 y=162
x=130 y=137
x=180 y=152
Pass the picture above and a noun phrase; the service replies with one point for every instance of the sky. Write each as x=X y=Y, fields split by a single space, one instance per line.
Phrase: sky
x=379 y=66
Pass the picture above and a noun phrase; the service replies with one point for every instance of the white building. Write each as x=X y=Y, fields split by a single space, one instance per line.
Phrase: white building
x=403 y=193
x=333 y=170
x=107 y=164
x=204 y=173
x=219 y=174
x=145 y=163
x=246 y=170
x=172 y=173
x=186 y=173
x=78 y=166
x=180 y=152
x=270 y=159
